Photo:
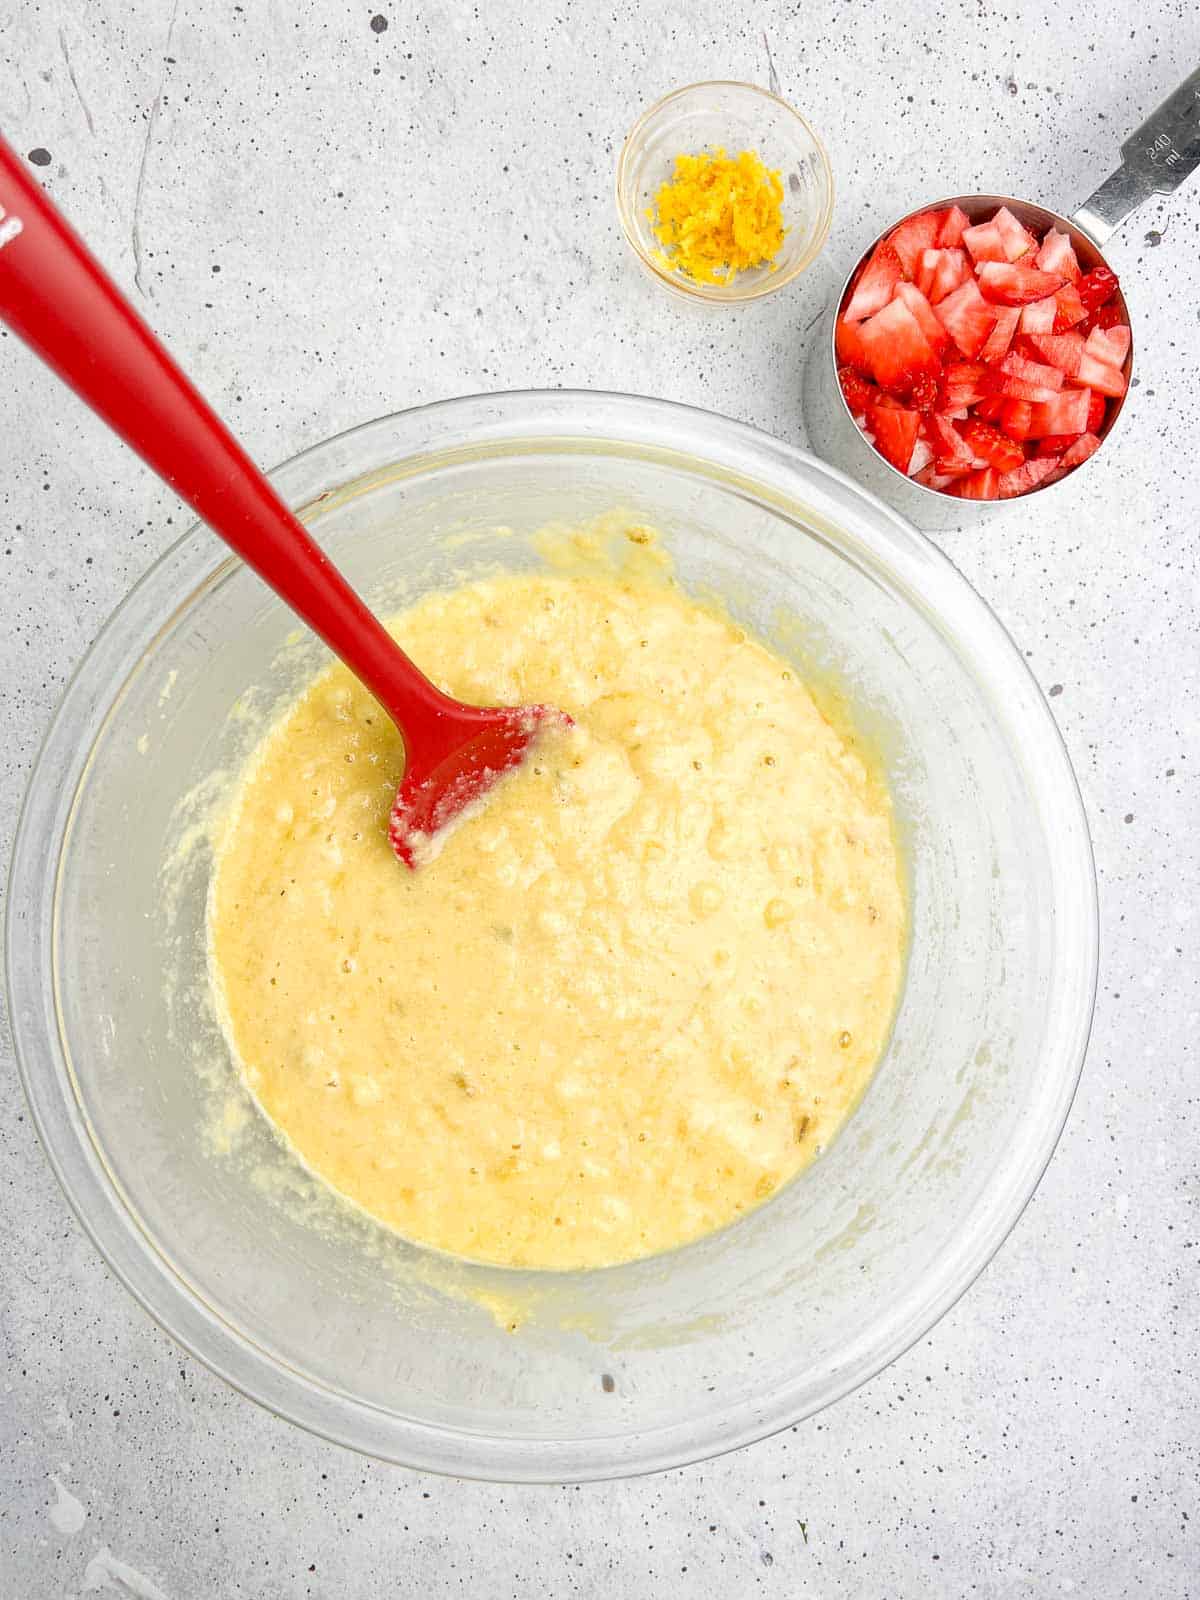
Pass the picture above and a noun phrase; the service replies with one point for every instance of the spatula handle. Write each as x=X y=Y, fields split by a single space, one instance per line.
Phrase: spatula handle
x=60 y=301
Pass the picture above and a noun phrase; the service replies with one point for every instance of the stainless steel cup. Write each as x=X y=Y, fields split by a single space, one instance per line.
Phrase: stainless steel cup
x=1155 y=160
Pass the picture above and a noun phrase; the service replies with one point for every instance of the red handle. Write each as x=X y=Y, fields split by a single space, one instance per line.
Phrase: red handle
x=57 y=297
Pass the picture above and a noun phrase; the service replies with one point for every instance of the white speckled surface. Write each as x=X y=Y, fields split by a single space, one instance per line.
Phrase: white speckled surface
x=330 y=220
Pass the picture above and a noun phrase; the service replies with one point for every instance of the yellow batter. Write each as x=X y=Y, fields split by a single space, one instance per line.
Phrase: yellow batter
x=636 y=993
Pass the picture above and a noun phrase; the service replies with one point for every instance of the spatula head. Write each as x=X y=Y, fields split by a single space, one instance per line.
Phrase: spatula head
x=436 y=791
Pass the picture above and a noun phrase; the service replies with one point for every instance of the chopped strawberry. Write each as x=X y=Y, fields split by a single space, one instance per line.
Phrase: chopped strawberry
x=896 y=350
x=848 y=345
x=1057 y=255
x=1099 y=375
x=1035 y=372
x=924 y=393
x=1016 y=419
x=1020 y=379
x=1065 y=413
x=858 y=392
x=989 y=408
x=985 y=242
x=1081 y=450
x=876 y=284
x=1001 y=336
x=922 y=456
x=1107 y=317
x=940 y=271
x=962 y=384
x=1016 y=239
x=983 y=485
x=967 y=317
x=1097 y=406
x=1011 y=284
x=1055 y=443
x=895 y=434
x=954 y=224
x=1020 y=389
x=1097 y=287
x=950 y=452
x=914 y=236
x=1029 y=475
x=998 y=451
x=1061 y=350
x=931 y=478
x=1110 y=345
x=1068 y=308
x=1038 y=317
x=924 y=313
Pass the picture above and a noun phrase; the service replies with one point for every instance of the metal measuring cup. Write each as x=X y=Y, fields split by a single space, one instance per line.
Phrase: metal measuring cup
x=1155 y=160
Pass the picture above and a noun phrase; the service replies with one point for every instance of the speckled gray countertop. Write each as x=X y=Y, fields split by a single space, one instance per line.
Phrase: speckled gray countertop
x=332 y=211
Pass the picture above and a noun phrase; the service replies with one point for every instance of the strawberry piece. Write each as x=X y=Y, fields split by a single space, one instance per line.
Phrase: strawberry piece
x=1021 y=389
x=1108 y=316
x=1110 y=345
x=1068 y=308
x=995 y=448
x=921 y=457
x=962 y=384
x=925 y=392
x=924 y=313
x=848 y=345
x=1065 y=413
x=1016 y=239
x=1097 y=406
x=967 y=317
x=941 y=271
x=1015 y=385
x=896 y=350
x=932 y=478
x=1038 y=317
x=985 y=242
x=1012 y=284
x=1001 y=336
x=875 y=285
x=1058 y=256
x=1061 y=350
x=954 y=224
x=895 y=434
x=914 y=236
x=1016 y=419
x=1055 y=443
x=858 y=392
x=951 y=454
x=1097 y=287
x=983 y=485
x=1085 y=446
x=989 y=408
x=1029 y=475
x=1099 y=375
x=1034 y=372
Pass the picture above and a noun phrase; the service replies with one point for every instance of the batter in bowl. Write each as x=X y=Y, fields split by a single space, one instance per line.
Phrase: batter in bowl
x=634 y=994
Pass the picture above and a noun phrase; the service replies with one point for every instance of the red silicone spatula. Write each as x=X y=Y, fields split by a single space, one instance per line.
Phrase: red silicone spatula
x=55 y=295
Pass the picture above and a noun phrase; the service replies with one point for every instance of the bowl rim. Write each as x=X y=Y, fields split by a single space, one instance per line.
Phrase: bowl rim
x=716 y=294
x=971 y=203
x=526 y=419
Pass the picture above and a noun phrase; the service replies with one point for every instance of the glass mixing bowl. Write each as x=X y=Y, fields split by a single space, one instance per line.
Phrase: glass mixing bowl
x=306 y=1305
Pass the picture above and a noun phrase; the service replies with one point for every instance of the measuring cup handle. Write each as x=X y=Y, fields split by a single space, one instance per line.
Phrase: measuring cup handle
x=1155 y=160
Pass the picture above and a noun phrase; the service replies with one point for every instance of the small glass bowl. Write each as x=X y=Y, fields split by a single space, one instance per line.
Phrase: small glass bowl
x=733 y=117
